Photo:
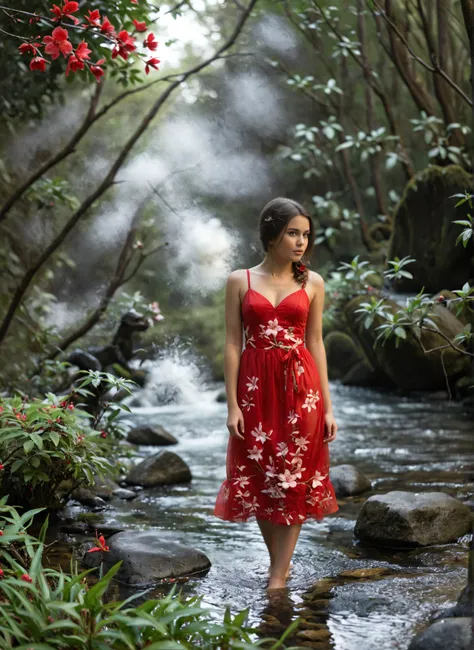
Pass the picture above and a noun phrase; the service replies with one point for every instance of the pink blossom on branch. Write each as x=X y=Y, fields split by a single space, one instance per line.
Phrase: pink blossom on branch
x=58 y=43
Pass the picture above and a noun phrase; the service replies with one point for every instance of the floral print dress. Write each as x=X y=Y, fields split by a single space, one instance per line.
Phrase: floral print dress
x=279 y=472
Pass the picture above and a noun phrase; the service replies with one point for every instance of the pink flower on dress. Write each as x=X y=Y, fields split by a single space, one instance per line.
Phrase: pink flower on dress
x=311 y=400
x=273 y=328
x=271 y=472
x=260 y=434
x=241 y=481
x=282 y=449
x=287 y=479
x=252 y=383
x=317 y=479
x=302 y=443
x=299 y=369
x=255 y=454
x=247 y=403
x=293 y=417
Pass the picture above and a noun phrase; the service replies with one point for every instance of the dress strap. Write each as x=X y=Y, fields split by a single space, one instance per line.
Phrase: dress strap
x=248 y=277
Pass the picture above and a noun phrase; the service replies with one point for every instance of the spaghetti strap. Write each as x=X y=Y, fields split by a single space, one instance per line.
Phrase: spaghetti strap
x=248 y=277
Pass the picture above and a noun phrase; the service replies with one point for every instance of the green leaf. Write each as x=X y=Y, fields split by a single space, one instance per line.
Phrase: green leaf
x=28 y=446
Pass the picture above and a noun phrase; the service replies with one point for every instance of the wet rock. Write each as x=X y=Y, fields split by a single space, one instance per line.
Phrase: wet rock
x=348 y=480
x=162 y=468
x=452 y=633
x=375 y=572
x=314 y=635
x=342 y=353
x=412 y=519
x=463 y=607
x=87 y=498
x=361 y=374
x=104 y=487
x=150 y=556
x=156 y=436
x=222 y=396
x=126 y=495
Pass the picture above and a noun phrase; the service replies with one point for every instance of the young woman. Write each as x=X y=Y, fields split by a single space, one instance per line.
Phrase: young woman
x=280 y=417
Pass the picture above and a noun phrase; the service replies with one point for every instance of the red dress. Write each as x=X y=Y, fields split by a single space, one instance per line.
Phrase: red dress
x=279 y=472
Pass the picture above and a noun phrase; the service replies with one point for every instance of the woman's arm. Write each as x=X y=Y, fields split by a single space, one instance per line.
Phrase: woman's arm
x=233 y=351
x=315 y=345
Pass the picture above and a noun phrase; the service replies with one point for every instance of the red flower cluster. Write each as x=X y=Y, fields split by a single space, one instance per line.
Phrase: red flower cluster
x=58 y=42
x=101 y=545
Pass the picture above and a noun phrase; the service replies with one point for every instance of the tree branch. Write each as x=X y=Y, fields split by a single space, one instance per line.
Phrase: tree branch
x=109 y=179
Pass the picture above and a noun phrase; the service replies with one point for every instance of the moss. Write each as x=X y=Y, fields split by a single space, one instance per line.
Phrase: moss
x=423 y=229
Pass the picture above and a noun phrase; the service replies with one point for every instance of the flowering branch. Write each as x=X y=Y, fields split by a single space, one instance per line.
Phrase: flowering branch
x=109 y=179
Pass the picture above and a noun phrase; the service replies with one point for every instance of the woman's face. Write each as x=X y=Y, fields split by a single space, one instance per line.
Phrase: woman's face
x=294 y=240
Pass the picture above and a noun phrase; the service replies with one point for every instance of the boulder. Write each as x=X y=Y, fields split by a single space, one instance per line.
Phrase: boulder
x=149 y=556
x=146 y=435
x=407 y=519
x=363 y=374
x=452 y=633
x=162 y=468
x=423 y=228
x=408 y=366
x=347 y=480
x=126 y=495
x=87 y=498
x=342 y=354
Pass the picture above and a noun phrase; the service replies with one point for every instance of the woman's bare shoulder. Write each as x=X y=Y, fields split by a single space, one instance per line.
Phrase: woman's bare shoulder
x=315 y=280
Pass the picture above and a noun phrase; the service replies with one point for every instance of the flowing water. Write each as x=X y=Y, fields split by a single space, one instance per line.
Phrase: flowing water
x=398 y=442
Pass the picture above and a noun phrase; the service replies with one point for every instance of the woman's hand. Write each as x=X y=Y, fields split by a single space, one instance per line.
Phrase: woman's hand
x=235 y=422
x=331 y=428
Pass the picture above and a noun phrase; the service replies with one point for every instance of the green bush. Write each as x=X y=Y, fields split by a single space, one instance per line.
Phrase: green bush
x=45 y=609
x=47 y=448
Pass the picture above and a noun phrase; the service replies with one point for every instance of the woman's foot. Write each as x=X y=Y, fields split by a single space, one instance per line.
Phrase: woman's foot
x=276 y=583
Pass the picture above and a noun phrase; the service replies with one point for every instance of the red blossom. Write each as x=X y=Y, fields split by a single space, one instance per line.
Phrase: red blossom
x=134 y=2
x=150 y=42
x=103 y=434
x=82 y=51
x=58 y=43
x=1 y=573
x=153 y=63
x=97 y=71
x=26 y=578
x=125 y=45
x=1 y=533
x=71 y=406
x=63 y=405
x=139 y=26
x=29 y=48
x=65 y=12
x=73 y=65
x=35 y=19
x=107 y=27
x=101 y=545
x=1 y=409
x=94 y=18
x=2 y=466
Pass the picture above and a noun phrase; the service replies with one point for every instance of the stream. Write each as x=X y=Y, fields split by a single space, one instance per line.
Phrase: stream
x=400 y=443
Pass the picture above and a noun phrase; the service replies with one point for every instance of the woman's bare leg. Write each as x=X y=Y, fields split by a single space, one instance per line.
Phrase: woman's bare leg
x=266 y=528
x=283 y=542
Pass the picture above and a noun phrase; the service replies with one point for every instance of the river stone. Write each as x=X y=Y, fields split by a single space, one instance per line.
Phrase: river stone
x=126 y=495
x=87 y=498
x=162 y=468
x=452 y=633
x=412 y=519
x=342 y=353
x=149 y=556
x=221 y=396
x=157 y=436
x=347 y=480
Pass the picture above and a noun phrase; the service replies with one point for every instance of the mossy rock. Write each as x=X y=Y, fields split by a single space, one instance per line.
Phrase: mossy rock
x=407 y=366
x=423 y=228
x=342 y=353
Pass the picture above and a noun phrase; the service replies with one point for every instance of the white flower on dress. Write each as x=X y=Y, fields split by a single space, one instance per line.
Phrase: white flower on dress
x=317 y=479
x=283 y=449
x=311 y=400
x=287 y=517
x=297 y=469
x=249 y=340
x=271 y=472
x=260 y=434
x=226 y=493
x=293 y=417
x=241 y=467
x=299 y=369
x=247 y=403
x=287 y=480
x=273 y=327
x=252 y=383
x=252 y=505
x=242 y=495
x=241 y=481
x=274 y=492
x=269 y=511
x=255 y=454
x=302 y=443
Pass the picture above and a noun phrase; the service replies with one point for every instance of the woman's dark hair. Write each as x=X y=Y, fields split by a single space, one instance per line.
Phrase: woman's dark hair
x=273 y=220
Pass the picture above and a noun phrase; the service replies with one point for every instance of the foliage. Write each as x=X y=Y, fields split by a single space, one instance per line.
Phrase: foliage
x=46 y=609
x=48 y=447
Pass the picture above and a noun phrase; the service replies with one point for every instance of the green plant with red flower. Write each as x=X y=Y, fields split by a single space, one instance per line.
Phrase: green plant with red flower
x=68 y=33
